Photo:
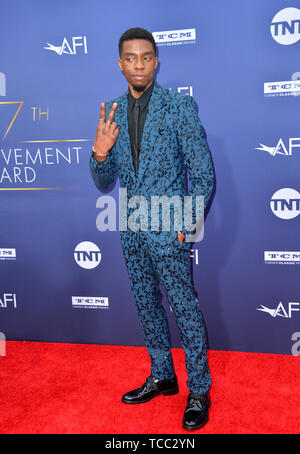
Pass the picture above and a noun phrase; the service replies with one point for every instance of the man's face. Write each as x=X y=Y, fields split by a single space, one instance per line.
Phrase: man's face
x=138 y=63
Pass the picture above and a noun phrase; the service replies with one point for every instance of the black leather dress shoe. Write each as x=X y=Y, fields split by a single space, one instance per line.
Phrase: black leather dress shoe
x=196 y=411
x=151 y=388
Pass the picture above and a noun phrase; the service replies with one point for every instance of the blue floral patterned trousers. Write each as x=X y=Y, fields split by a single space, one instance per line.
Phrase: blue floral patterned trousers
x=149 y=261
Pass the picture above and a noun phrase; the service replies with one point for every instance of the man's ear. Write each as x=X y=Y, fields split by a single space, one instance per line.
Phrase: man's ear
x=120 y=64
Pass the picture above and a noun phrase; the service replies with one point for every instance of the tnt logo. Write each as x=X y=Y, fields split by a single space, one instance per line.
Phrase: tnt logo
x=285 y=203
x=87 y=255
x=285 y=27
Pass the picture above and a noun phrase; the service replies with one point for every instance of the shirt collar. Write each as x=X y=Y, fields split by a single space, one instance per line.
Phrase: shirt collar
x=143 y=99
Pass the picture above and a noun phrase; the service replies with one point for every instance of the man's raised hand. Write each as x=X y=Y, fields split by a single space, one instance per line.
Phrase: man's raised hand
x=106 y=133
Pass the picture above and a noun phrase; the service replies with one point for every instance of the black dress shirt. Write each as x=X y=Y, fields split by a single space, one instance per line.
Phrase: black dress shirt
x=135 y=127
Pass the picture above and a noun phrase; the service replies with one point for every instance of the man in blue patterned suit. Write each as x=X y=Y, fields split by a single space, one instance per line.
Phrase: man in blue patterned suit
x=148 y=136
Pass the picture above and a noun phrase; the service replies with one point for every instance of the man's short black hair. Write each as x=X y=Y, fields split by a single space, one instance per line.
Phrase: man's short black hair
x=136 y=33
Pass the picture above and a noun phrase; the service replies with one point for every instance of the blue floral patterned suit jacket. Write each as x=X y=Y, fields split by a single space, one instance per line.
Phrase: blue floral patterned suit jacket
x=173 y=137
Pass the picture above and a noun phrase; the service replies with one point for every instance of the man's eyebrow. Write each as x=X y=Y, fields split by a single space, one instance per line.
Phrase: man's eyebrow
x=133 y=53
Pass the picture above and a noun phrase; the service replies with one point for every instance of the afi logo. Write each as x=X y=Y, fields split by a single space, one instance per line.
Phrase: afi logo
x=71 y=49
x=285 y=27
x=186 y=90
x=280 y=148
x=280 y=311
x=285 y=203
x=8 y=299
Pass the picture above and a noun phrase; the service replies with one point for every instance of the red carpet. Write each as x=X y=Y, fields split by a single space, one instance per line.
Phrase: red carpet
x=49 y=388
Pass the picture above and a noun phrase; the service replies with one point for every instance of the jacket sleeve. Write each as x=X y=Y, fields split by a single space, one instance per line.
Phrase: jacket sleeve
x=103 y=173
x=197 y=157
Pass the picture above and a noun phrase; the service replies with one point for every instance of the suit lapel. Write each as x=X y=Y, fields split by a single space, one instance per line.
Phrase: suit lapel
x=153 y=121
x=125 y=156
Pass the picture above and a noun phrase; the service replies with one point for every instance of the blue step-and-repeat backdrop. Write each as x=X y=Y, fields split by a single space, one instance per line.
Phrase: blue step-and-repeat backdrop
x=62 y=279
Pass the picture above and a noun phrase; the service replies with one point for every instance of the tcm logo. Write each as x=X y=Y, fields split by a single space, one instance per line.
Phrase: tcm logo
x=285 y=203
x=281 y=148
x=280 y=310
x=87 y=255
x=8 y=300
x=283 y=88
x=282 y=257
x=90 y=302
x=2 y=84
x=70 y=48
x=175 y=36
x=7 y=254
x=285 y=27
